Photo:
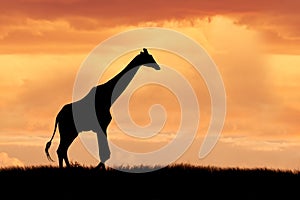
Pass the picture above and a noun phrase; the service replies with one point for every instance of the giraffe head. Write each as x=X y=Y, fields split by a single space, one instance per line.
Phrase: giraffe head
x=147 y=60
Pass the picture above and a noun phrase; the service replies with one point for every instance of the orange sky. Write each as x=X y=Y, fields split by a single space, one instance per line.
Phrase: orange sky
x=255 y=45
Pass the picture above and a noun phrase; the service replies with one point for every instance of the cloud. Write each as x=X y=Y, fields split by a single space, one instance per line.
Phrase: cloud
x=78 y=26
x=278 y=30
x=246 y=152
x=259 y=145
x=51 y=36
x=142 y=10
x=25 y=140
x=7 y=161
x=33 y=90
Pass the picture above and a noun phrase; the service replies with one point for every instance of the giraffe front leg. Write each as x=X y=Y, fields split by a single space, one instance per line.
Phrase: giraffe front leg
x=103 y=148
x=101 y=166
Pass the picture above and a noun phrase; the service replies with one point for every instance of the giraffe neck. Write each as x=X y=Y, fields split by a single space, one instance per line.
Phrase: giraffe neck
x=116 y=86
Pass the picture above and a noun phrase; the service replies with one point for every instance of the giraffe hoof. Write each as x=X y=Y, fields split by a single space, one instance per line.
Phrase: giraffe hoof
x=101 y=166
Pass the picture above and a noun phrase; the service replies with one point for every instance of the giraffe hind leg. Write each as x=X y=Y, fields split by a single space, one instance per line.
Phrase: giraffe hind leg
x=62 y=153
x=62 y=150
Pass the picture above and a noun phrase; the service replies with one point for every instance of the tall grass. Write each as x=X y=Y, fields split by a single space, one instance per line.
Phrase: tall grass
x=170 y=182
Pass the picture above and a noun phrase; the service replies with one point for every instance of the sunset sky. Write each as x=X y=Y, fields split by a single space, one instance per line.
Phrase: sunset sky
x=255 y=45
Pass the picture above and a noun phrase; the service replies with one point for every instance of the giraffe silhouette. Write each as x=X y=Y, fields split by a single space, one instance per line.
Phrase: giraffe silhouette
x=92 y=112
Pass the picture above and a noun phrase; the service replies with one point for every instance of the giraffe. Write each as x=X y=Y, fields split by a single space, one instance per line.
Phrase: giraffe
x=97 y=102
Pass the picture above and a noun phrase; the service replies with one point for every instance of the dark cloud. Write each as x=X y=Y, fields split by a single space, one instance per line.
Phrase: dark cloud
x=141 y=10
x=277 y=21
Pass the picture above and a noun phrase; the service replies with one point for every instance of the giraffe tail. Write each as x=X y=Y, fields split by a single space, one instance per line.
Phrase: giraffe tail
x=49 y=143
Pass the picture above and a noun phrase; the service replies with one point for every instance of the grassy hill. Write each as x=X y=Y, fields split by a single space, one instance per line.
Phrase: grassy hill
x=172 y=182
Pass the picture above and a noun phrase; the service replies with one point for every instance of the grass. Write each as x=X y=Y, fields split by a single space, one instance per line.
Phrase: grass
x=174 y=181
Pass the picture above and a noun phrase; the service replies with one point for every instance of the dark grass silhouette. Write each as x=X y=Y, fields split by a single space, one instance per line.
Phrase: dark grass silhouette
x=171 y=182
